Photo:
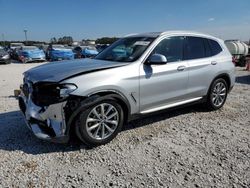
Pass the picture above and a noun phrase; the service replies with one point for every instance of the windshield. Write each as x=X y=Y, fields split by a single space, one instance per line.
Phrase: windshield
x=127 y=49
x=58 y=46
x=29 y=48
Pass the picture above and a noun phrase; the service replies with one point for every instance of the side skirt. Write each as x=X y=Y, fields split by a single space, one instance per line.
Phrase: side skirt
x=170 y=105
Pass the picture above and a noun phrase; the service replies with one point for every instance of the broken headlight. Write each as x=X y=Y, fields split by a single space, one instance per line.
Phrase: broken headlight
x=66 y=89
x=46 y=93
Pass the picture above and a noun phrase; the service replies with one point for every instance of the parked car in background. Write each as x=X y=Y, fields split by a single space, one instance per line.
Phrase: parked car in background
x=59 y=52
x=44 y=48
x=137 y=75
x=85 y=51
x=89 y=52
x=13 y=50
x=4 y=56
x=30 y=54
x=14 y=53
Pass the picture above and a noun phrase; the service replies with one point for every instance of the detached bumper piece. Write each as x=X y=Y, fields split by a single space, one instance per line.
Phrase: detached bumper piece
x=46 y=123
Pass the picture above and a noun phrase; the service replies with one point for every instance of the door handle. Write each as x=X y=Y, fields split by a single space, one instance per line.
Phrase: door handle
x=213 y=63
x=181 y=68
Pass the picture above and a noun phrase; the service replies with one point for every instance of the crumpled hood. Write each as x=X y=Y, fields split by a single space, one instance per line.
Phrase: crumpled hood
x=58 y=71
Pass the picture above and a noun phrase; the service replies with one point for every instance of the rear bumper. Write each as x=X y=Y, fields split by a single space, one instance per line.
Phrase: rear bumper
x=45 y=123
x=59 y=58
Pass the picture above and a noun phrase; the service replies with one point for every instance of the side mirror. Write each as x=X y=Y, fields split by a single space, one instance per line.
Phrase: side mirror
x=157 y=59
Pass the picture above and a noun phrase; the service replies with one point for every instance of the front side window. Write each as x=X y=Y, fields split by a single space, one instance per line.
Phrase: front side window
x=171 y=48
x=127 y=49
x=194 y=48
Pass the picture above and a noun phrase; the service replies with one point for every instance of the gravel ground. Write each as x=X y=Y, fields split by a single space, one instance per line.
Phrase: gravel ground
x=187 y=147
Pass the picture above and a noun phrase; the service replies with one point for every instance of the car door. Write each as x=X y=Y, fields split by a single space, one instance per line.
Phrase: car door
x=163 y=85
x=201 y=65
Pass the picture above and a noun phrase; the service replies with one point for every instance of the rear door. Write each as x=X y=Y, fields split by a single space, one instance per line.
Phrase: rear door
x=201 y=65
x=161 y=85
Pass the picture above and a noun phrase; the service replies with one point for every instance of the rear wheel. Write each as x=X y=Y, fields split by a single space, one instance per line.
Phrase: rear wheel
x=217 y=94
x=100 y=122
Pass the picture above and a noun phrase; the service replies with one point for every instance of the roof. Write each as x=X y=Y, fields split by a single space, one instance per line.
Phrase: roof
x=179 y=32
x=151 y=34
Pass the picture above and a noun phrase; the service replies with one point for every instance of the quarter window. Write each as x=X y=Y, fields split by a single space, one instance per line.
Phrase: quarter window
x=171 y=48
x=215 y=47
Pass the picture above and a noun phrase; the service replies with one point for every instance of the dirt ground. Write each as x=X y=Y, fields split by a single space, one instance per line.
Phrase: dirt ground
x=187 y=147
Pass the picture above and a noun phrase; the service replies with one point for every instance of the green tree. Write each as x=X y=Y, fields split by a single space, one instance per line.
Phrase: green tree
x=106 y=40
x=66 y=40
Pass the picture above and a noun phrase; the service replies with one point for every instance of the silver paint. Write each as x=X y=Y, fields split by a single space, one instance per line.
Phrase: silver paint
x=147 y=88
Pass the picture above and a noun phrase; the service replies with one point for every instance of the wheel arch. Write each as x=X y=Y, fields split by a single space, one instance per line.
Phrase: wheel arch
x=87 y=101
x=121 y=99
x=224 y=76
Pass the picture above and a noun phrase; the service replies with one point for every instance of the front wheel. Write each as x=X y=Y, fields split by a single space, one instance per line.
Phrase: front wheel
x=100 y=123
x=217 y=94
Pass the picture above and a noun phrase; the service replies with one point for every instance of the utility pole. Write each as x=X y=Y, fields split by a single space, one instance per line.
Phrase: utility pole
x=25 y=32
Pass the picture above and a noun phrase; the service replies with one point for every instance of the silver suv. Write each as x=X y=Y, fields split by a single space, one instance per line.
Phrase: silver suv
x=138 y=74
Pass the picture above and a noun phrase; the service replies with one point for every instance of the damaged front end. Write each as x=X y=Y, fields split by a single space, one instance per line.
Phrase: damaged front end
x=43 y=105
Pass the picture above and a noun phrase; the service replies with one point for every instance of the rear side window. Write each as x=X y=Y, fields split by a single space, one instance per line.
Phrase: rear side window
x=194 y=48
x=215 y=47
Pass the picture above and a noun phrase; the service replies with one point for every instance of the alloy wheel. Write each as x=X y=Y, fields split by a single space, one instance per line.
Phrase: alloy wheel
x=102 y=121
x=219 y=94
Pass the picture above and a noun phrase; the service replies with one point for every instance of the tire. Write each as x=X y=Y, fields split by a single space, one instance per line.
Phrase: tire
x=242 y=62
x=94 y=130
x=217 y=94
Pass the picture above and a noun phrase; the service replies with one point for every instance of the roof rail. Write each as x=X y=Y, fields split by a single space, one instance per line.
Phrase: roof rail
x=131 y=34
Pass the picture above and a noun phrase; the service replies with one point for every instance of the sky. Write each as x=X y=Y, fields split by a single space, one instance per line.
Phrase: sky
x=91 y=19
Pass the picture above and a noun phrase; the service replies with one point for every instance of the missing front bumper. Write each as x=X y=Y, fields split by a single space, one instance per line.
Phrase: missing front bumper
x=46 y=123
